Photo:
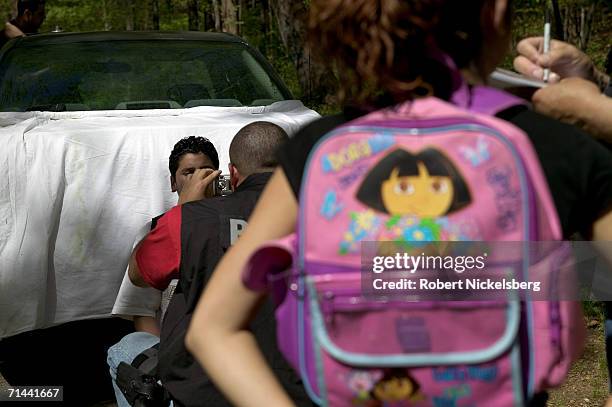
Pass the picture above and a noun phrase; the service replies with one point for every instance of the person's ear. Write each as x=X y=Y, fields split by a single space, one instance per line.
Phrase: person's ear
x=27 y=15
x=234 y=176
x=173 y=183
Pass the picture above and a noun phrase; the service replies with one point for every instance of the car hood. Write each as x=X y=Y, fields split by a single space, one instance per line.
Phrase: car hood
x=78 y=187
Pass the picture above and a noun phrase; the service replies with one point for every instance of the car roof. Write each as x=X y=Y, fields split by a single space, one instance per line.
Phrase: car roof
x=99 y=36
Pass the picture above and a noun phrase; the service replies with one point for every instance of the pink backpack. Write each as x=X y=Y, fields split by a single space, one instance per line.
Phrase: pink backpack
x=356 y=351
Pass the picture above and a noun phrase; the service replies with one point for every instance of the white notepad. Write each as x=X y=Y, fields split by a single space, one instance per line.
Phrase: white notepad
x=503 y=78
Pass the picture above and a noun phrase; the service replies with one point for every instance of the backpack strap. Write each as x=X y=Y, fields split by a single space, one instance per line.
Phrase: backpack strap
x=478 y=99
x=484 y=99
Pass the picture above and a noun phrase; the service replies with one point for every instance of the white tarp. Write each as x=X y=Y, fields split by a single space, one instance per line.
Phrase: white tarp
x=76 y=187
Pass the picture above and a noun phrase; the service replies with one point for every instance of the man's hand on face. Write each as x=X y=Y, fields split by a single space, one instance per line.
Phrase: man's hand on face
x=196 y=185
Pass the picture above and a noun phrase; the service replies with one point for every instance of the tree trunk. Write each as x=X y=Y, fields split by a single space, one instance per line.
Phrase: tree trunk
x=315 y=80
x=265 y=25
x=193 y=7
x=217 y=15
x=155 y=15
x=129 y=15
x=559 y=34
x=208 y=17
x=578 y=25
x=242 y=8
x=107 y=25
x=228 y=9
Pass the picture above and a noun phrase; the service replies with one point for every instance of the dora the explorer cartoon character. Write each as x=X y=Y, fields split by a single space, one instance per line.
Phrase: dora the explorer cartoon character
x=425 y=185
x=395 y=389
x=416 y=191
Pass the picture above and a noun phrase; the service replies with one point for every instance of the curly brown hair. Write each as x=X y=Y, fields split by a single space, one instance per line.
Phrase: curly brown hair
x=388 y=51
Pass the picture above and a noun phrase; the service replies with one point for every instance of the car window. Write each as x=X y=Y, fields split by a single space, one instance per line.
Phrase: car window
x=134 y=75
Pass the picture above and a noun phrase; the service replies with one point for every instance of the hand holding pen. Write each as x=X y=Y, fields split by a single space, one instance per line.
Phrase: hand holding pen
x=563 y=60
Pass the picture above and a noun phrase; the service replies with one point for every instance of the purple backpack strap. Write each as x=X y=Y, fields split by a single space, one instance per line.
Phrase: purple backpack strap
x=486 y=100
x=478 y=99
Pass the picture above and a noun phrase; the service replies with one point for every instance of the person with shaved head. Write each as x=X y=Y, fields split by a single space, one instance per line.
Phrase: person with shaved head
x=253 y=150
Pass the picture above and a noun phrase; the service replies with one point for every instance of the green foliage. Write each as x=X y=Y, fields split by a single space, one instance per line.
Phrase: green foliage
x=593 y=310
x=6 y=9
x=266 y=39
x=95 y=15
x=284 y=67
x=74 y=15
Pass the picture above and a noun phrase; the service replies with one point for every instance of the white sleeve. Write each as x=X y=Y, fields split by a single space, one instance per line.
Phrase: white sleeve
x=137 y=301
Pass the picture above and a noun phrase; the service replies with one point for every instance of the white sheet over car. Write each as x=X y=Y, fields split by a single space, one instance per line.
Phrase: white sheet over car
x=75 y=189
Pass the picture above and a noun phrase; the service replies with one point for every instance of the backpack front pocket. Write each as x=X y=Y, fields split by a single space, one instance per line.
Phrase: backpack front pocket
x=404 y=353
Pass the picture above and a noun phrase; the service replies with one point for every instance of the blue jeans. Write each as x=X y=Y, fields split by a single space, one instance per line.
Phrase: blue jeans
x=126 y=351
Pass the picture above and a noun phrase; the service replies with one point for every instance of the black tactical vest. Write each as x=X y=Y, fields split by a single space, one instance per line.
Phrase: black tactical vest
x=208 y=228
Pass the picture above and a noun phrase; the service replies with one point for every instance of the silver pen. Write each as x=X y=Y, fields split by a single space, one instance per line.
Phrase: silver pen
x=546 y=49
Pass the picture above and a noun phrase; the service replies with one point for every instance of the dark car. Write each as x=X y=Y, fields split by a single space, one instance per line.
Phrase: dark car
x=134 y=70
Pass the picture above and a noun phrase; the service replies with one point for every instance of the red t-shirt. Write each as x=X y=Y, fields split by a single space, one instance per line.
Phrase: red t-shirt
x=159 y=255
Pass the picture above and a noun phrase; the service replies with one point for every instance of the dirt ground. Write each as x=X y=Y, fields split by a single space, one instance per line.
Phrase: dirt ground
x=587 y=383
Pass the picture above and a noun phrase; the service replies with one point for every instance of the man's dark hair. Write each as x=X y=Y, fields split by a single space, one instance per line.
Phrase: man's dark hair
x=32 y=5
x=254 y=147
x=192 y=145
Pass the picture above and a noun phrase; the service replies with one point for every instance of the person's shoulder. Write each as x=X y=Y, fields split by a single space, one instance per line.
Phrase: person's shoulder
x=204 y=208
x=11 y=31
x=549 y=135
x=168 y=219
x=578 y=168
x=210 y=213
x=303 y=141
x=318 y=128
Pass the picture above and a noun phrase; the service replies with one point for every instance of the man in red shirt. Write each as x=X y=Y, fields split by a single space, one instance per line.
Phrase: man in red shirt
x=159 y=252
x=192 y=179
x=189 y=155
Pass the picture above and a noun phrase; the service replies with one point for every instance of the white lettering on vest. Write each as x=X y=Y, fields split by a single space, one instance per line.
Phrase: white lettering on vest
x=237 y=226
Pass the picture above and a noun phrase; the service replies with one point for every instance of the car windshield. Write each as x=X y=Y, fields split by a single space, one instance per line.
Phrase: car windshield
x=134 y=74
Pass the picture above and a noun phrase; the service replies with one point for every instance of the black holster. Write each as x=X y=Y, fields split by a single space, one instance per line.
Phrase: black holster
x=138 y=381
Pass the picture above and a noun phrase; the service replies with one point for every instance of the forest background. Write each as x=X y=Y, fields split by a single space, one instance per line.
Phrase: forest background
x=278 y=29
